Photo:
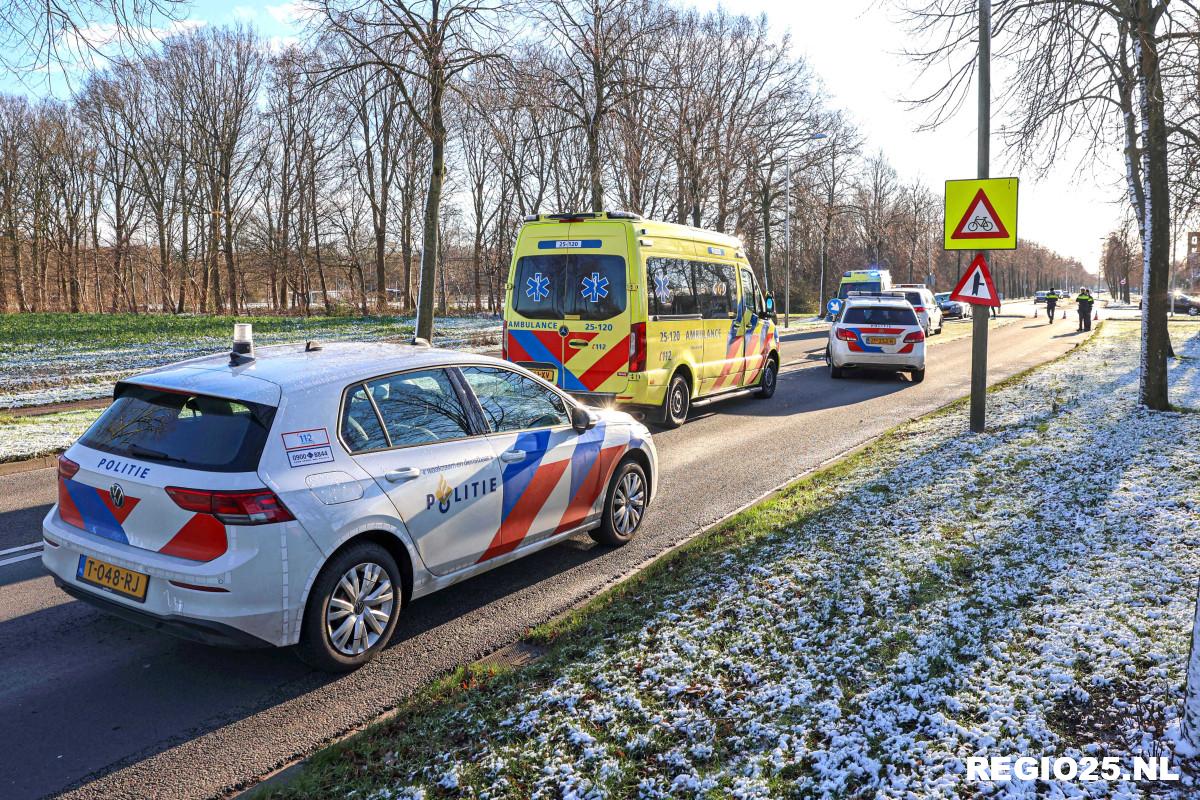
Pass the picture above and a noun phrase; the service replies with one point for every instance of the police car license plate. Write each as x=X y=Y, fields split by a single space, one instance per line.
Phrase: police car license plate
x=545 y=374
x=115 y=579
x=881 y=340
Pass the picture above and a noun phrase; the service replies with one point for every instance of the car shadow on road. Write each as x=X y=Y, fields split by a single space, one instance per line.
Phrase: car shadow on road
x=121 y=693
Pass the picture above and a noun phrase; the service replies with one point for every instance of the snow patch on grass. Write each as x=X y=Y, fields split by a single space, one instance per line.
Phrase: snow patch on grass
x=1024 y=592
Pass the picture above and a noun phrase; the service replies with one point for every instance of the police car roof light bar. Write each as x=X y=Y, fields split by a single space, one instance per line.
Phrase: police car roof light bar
x=243 y=344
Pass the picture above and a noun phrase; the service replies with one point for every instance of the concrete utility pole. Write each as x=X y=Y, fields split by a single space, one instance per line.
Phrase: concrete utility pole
x=787 y=245
x=979 y=322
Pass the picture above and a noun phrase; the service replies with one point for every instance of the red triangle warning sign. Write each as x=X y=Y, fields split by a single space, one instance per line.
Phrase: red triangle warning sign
x=981 y=221
x=975 y=286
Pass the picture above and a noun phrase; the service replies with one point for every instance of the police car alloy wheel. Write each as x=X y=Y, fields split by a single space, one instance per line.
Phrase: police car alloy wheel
x=352 y=609
x=625 y=505
x=770 y=378
x=677 y=402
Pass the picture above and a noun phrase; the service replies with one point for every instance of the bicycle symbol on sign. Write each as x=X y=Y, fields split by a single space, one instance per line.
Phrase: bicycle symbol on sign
x=980 y=223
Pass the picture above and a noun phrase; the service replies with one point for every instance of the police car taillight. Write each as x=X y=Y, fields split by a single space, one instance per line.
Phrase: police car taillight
x=845 y=335
x=914 y=337
x=254 y=507
x=637 y=347
x=66 y=467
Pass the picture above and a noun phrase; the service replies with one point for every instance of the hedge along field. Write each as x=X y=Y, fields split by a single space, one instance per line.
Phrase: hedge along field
x=50 y=358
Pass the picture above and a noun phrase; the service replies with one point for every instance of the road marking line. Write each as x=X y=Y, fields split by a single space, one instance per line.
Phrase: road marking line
x=5 y=562
x=32 y=546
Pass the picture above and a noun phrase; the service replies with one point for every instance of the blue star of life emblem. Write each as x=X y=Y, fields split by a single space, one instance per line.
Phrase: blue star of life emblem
x=662 y=288
x=594 y=288
x=537 y=288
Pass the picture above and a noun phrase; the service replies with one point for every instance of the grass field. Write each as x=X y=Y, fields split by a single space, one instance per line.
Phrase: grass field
x=51 y=358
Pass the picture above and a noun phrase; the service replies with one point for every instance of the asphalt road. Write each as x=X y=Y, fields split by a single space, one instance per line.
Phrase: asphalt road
x=100 y=708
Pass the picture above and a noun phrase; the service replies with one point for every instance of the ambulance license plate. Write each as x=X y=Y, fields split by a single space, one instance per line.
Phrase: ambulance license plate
x=550 y=375
x=881 y=340
x=117 y=580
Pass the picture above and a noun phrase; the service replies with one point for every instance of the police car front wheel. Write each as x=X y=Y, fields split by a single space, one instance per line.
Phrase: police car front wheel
x=624 y=505
x=352 y=609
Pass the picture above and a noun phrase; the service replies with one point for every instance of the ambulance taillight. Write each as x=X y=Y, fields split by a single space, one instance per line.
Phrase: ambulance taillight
x=637 y=347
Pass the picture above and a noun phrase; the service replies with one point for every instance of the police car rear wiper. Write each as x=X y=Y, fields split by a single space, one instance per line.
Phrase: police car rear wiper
x=146 y=452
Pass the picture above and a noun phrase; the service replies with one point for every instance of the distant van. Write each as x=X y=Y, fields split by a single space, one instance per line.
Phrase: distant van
x=864 y=280
x=649 y=315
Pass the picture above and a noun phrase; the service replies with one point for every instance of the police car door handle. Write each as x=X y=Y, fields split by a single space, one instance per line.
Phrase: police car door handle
x=402 y=474
x=512 y=456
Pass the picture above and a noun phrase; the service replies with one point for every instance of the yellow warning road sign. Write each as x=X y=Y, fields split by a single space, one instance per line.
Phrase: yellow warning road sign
x=981 y=214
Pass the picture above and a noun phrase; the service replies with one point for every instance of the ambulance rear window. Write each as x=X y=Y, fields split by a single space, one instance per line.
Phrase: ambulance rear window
x=587 y=285
x=861 y=286
x=192 y=431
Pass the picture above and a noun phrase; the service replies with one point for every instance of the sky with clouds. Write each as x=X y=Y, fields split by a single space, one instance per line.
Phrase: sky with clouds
x=853 y=47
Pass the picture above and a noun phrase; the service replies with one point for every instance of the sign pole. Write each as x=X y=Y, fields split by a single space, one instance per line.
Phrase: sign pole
x=979 y=322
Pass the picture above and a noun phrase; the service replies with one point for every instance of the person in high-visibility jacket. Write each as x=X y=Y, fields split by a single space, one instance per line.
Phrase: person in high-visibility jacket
x=1084 y=303
x=1051 y=304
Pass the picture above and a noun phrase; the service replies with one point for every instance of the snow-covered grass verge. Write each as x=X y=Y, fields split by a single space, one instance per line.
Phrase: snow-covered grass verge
x=53 y=358
x=32 y=436
x=1024 y=592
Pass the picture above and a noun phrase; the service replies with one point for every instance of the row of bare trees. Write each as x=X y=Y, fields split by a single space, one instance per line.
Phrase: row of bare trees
x=388 y=164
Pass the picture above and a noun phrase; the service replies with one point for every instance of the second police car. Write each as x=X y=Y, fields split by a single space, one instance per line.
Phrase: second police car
x=876 y=331
x=306 y=495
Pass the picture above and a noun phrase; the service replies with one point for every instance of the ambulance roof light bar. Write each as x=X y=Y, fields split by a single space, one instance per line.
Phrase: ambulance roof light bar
x=580 y=216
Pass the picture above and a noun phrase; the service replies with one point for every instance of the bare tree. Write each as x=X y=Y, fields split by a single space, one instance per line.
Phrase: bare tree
x=425 y=46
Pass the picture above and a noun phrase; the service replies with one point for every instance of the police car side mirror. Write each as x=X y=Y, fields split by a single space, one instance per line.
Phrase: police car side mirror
x=582 y=419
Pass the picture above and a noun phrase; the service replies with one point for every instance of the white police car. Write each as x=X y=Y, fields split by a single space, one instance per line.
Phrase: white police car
x=876 y=331
x=307 y=495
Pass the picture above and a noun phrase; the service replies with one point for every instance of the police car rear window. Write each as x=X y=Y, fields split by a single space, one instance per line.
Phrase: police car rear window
x=880 y=315
x=192 y=431
x=584 y=285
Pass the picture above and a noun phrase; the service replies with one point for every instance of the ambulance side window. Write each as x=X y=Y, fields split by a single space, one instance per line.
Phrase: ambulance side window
x=750 y=294
x=716 y=289
x=671 y=285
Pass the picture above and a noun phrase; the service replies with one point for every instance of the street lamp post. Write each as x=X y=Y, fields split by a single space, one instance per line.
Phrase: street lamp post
x=787 y=237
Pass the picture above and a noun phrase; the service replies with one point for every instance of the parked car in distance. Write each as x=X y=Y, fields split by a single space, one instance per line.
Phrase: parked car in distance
x=1040 y=297
x=952 y=309
x=1182 y=304
x=927 y=308
x=877 y=331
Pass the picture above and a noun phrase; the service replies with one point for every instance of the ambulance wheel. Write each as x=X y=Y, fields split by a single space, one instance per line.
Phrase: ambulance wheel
x=770 y=378
x=677 y=402
x=917 y=375
x=624 y=505
x=352 y=610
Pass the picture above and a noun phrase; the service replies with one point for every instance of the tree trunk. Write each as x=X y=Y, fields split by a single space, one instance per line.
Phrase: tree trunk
x=1156 y=241
x=230 y=272
x=433 y=205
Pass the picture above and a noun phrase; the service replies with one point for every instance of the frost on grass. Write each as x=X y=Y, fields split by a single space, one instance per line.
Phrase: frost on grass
x=51 y=370
x=1024 y=592
x=30 y=437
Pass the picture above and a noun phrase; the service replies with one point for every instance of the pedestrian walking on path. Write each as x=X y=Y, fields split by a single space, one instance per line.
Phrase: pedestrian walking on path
x=1084 y=302
x=1051 y=304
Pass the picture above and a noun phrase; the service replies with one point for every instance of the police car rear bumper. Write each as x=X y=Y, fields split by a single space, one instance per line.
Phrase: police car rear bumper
x=907 y=362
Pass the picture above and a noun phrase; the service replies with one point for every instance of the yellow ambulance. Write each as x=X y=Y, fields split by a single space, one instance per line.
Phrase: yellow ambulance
x=648 y=315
